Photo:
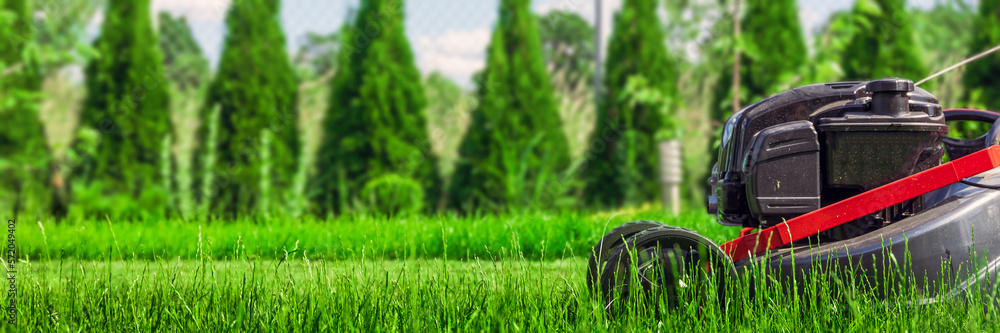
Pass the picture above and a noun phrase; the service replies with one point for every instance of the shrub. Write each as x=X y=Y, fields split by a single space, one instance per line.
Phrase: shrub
x=393 y=195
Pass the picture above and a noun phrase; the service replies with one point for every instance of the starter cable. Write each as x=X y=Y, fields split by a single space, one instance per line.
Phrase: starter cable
x=974 y=184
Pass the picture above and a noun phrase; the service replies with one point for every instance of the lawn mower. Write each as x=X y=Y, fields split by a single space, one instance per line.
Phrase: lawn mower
x=849 y=175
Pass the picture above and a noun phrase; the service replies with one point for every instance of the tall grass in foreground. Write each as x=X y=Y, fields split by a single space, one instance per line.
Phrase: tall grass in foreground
x=500 y=293
x=240 y=276
x=537 y=235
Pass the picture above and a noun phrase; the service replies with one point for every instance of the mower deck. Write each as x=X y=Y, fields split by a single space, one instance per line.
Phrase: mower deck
x=955 y=242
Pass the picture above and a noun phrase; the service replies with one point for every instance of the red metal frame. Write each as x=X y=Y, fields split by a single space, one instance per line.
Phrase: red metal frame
x=749 y=244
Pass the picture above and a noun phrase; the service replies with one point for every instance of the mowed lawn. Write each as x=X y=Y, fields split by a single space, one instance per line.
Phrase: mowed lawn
x=539 y=236
x=426 y=276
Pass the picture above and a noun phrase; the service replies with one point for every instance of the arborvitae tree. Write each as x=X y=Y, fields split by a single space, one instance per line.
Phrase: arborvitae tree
x=249 y=148
x=25 y=162
x=121 y=159
x=624 y=159
x=981 y=80
x=515 y=152
x=774 y=47
x=375 y=126
x=186 y=66
x=773 y=50
x=884 y=43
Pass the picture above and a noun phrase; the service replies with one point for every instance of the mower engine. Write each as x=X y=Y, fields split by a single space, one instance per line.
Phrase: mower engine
x=798 y=151
x=830 y=175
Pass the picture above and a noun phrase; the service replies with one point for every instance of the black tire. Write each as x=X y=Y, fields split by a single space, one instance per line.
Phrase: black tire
x=657 y=249
x=606 y=246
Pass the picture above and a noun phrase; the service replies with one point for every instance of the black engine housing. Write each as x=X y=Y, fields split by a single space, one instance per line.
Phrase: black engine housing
x=803 y=149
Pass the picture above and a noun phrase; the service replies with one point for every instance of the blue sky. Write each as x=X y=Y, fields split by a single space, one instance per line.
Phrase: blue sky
x=447 y=35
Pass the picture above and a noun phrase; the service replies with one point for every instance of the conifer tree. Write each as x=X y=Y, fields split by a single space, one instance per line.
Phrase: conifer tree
x=624 y=160
x=884 y=43
x=25 y=162
x=121 y=159
x=249 y=143
x=514 y=153
x=375 y=128
x=981 y=79
x=773 y=48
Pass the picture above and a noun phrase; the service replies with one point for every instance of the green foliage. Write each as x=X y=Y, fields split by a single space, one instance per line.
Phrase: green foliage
x=186 y=66
x=884 y=43
x=639 y=93
x=393 y=195
x=127 y=113
x=62 y=34
x=623 y=154
x=774 y=47
x=773 y=54
x=25 y=160
x=981 y=79
x=257 y=145
x=831 y=45
x=375 y=123
x=515 y=150
x=568 y=44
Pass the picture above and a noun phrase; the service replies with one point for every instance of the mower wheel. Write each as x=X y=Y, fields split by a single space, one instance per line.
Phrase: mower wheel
x=665 y=260
x=615 y=238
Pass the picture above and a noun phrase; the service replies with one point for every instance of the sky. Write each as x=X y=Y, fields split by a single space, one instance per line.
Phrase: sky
x=448 y=36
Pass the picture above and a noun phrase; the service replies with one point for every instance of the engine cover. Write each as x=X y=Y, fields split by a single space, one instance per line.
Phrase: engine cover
x=809 y=147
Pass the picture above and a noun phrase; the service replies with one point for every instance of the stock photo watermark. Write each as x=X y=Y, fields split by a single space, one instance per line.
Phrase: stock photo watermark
x=11 y=274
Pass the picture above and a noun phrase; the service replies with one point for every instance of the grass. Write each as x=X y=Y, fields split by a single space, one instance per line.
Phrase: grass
x=496 y=274
x=537 y=235
x=504 y=293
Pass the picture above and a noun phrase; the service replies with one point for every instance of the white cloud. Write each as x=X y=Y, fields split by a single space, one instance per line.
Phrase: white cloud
x=456 y=67
x=469 y=42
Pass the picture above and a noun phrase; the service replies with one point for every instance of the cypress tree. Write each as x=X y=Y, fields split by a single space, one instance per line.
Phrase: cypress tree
x=774 y=47
x=884 y=44
x=514 y=151
x=249 y=148
x=981 y=81
x=121 y=160
x=773 y=53
x=623 y=153
x=375 y=128
x=25 y=160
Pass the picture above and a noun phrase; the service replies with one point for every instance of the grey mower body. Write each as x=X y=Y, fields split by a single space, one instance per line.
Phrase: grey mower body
x=949 y=247
x=829 y=157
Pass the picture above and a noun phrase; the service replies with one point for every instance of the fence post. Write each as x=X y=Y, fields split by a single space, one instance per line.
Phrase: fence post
x=670 y=175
